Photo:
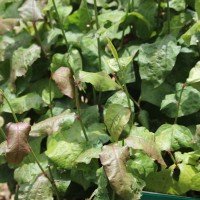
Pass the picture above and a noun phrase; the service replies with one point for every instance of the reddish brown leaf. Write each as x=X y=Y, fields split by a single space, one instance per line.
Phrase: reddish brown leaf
x=17 y=145
x=64 y=80
x=113 y=158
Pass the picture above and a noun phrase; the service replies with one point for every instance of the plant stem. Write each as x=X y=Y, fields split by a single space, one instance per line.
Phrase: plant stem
x=179 y=101
x=50 y=178
x=8 y=102
x=3 y=133
x=39 y=39
x=113 y=195
x=60 y=23
x=50 y=98
x=168 y=16
x=53 y=182
x=172 y=157
x=79 y=112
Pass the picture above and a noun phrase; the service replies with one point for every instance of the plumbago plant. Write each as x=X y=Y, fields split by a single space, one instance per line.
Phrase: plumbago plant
x=100 y=99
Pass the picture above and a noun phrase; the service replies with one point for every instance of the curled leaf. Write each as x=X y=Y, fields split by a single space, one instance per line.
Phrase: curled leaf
x=64 y=80
x=113 y=158
x=17 y=145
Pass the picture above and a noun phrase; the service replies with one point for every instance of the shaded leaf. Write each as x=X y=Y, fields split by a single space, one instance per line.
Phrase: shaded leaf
x=114 y=158
x=173 y=137
x=115 y=118
x=64 y=80
x=17 y=145
x=30 y=11
x=158 y=59
x=52 y=124
x=100 y=80
x=141 y=138
x=24 y=103
x=39 y=188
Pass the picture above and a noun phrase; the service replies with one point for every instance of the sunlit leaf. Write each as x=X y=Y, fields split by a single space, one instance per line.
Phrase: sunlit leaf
x=113 y=50
x=173 y=137
x=115 y=118
x=141 y=138
x=17 y=145
x=114 y=158
x=195 y=182
x=100 y=80
x=30 y=11
x=7 y=24
x=39 y=188
x=64 y=80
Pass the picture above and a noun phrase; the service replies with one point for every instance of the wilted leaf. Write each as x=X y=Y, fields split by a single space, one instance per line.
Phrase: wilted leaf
x=116 y=117
x=39 y=188
x=100 y=80
x=23 y=58
x=158 y=59
x=64 y=80
x=17 y=145
x=173 y=137
x=114 y=158
x=30 y=11
x=24 y=103
x=141 y=138
x=52 y=124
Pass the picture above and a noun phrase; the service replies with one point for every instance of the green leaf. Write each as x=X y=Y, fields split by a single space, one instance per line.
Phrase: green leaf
x=143 y=118
x=191 y=36
x=158 y=59
x=52 y=124
x=187 y=172
x=6 y=175
x=120 y=98
x=190 y=158
x=189 y=102
x=17 y=145
x=23 y=58
x=162 y=182
x=30 y=11
x=197 y=8
x=194 y=78
x=173 y=137
x=39 y=188
x=113 y=50
x=100 y=80
x=114 y=158
x=142 y=165
x=115 y=118
x=64 y=80
x=177 y=5
x=195 y=182
x=141 y=138
x=24 y=103
x=64 y=154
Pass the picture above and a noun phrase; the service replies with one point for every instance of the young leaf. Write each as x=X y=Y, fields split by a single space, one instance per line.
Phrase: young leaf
x=116 y=117
x=114 y=158
x=30 y=11
x=141 y=138
x=39 y=188
x=100 y=80
x=113 y=50
x=17 y=145
x=173 y=137
x=64 y=80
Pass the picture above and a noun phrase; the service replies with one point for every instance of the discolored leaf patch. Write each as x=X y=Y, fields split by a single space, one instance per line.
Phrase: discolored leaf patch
x=17 y=145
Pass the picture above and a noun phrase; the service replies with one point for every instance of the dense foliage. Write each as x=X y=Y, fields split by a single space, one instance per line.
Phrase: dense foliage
x=99 y=99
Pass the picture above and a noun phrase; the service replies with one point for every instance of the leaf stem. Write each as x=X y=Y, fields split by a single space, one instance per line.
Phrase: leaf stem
x=3 y=133
x=179 y=102
x=79 y=112
x=168 y=17
x=8 y=102
x=60 y=23
x=172 y=157
x=49 y=177
x=53 y=182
